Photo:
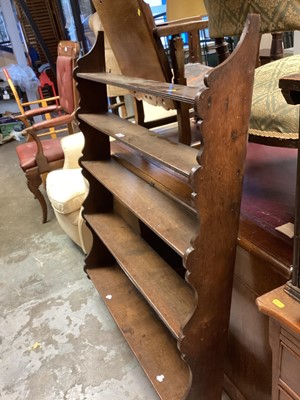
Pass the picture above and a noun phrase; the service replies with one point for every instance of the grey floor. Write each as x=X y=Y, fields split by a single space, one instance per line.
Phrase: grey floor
x=57 y=340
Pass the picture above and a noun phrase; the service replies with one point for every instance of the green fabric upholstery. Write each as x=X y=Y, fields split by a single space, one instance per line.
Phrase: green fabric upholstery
x=227 y=18
x=271 y=116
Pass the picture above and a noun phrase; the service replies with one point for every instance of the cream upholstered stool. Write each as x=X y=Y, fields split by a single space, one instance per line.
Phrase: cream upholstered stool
x=67 y=189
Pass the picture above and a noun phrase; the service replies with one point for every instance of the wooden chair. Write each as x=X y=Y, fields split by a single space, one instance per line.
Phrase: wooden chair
x=27 y=114
x=39 y=156
x=47 y=86
x=45 y=105
x=22 y=117
x=139 y=52
x=273 y=122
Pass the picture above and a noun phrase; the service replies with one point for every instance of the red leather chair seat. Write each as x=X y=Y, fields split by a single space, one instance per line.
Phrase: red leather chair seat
x=27 y=152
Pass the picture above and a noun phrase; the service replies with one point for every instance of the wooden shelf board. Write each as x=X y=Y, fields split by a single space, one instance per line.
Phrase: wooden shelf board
x=169 y=182
x=176 y=156
x=168 y=294
x=182 y=93
x=149 y=340
x=168 y=219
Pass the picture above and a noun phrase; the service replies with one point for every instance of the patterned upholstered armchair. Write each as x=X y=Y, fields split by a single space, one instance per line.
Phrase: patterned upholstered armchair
x=226 y=18
x=273 y=122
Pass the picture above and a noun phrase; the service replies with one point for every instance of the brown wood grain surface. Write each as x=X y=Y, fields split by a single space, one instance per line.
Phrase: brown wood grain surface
x=167 y=218
x=280 y=306
x=149 y=340
x=207 y=243
x=175 y=156
x=185 y=94
x=170 y=296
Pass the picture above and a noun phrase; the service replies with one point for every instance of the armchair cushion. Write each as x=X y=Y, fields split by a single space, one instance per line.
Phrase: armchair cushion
x=271 y=116
x=66 y=190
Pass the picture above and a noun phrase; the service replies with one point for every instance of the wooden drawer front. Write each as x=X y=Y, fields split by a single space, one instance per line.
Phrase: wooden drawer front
x=290 y=368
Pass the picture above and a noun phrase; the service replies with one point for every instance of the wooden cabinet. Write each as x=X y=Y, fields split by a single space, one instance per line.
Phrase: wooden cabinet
x=284 y=316
x=164 y=218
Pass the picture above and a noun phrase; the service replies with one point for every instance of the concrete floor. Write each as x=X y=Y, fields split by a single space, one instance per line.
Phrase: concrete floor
x=58 y=341
x=57 y=338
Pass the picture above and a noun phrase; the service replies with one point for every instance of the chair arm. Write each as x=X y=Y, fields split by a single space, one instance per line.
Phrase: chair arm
x=40 y=101
x=54 y=122
x=41 y=160
x=72 y=146
x=191 y=26
x=39 y=111
x=45 y=109
x=180 y=26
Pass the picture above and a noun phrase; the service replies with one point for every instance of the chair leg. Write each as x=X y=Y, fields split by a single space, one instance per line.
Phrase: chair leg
x=221 y=49
x=33 y=182
x=184 y=127
x=139 y=113
x=277 y=46
x=70 y=128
